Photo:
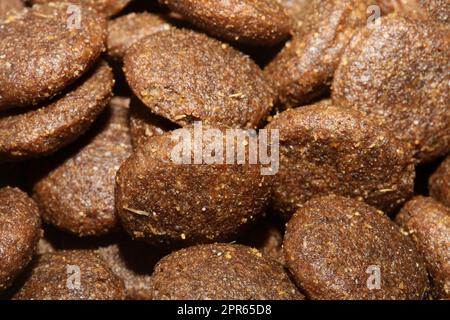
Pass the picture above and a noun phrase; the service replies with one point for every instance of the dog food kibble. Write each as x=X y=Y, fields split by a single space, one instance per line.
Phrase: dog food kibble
x=428 y=223
x=20 y=230
x=163 y=201
x=92 y=279
x=341 y=248
x=397 y=73
x=253 y=22
x=7 y=6
x=40 y=54
x=326 y=149
x=40 y=131
x=304 y=69
x=78 y=194
x=439 y=183
x=126 y=30
x=186 y=76
x=221 y=271
x=106 y=7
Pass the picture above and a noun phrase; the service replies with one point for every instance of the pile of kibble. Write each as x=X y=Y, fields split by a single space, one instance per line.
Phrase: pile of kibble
x=92 y=205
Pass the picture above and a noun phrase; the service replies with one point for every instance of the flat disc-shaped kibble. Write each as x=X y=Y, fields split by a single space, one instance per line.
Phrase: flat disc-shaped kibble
x=41 y=131
x=161 y=200
x=397 y=73
x=77 y=195
x=20 y=230
x=439 y=183
x=325 y=149
x=126 y=30
x=304 y=69
x=106 y=7
x=254 y=22
x=428 y=223
x=186 y=76
x=44 y=49
x=9 y=6
x=340 y=248
x=221 y=272
x=71 y=275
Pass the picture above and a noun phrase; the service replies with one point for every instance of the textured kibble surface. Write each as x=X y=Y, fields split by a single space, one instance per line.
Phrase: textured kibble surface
x=20 y=230
x=428 y=223
x=304 y=69
x=333 y=245
x=439 y=183
x=7 y=6
x=186 y=76
x=48 y=279
x=163 y=201
x=254 y=22
x=397 y=73
x=221 y=271
x=297 y=9
x=437 y=9
x=105 y=7
x=47 y=128
x=325 y=149
x=40 y=54
x=78 y=194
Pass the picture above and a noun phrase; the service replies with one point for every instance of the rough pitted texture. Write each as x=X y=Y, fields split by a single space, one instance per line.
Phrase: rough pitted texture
x=304 y=69
x=144 y=124
x=129 y=29
x=254 y=22
x=49 y=278
x=332 y=241
x=106 y=7
x=186 y=76
x=161 y=201
x=221 y=272
x=439 y=183
x=20 y=230
x=40 y=55
x=10 y=5
x=44 y=130
x=437 y=9
x=325 y=149
x=428 y=223
x=397 y=73
x=78 y=194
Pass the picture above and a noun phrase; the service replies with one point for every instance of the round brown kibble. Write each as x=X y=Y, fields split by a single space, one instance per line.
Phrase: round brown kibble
x=439 y=183
x=20 y=230
x=40 y=54
x=129 y=29
x=50 y=278
x=253 y=22
x=341 y=248
x=221 y=272
x=325 y=149
x=106 y=7
x=304 y=69
x=396 y=73
x=428 y=223
x=77 y=195
x=163 y=201
x=46 y=129
x=186 y=76
x=8 y=7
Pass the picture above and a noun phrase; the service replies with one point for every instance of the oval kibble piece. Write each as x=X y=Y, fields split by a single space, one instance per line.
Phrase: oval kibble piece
x=48 y=279
x=221 y=272
x=39 y=132
x=186 y=76
x=41 y=54
x=20 y=230
x=341 y=248
x=397 y=73
x=161 y=200
x=77 y=194
x=428 y=223
x=252 y=22
x=325 y=149
x=7 y=6
x=439 y=183
x=106 y=7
